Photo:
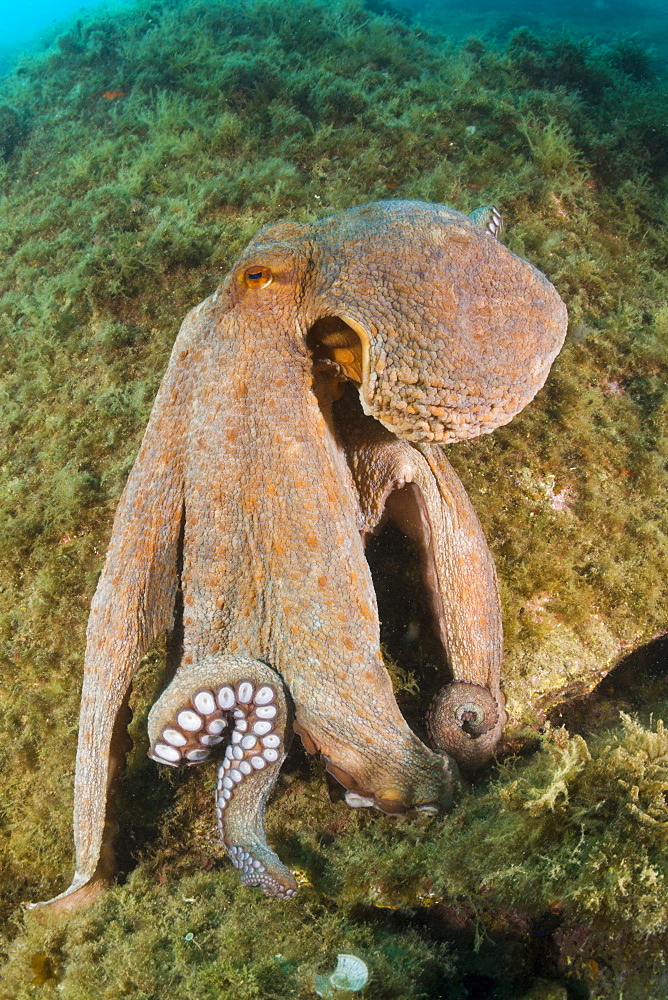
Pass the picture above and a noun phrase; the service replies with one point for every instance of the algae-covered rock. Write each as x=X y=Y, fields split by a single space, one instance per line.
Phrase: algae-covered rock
x=566 y=663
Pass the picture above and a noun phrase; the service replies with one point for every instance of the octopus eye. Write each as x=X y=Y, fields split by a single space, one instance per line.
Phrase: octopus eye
x=258 y=277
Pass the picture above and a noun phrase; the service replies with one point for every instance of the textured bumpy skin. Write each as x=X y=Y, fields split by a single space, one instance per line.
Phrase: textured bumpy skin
x=458 y=333
x=257 y=467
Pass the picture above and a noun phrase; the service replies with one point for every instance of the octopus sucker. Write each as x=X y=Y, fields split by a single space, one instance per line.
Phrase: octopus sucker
x=305 y=404
x=465 y=720
x=248 y=699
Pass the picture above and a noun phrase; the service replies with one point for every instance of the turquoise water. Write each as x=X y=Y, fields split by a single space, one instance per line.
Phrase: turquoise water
x=22 y=23
x=33 y=26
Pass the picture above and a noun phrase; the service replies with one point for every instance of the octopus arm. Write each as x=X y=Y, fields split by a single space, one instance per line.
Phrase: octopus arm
x=467 y=716
x=414 y=487
x=428 y=503
x=133 y=604
x=242 y=701
x=459 y=564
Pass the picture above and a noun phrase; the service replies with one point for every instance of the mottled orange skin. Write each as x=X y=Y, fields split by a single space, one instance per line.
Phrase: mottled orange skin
x=245 y=458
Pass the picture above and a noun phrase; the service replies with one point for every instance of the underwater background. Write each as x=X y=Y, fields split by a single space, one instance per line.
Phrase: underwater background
x=141 y=146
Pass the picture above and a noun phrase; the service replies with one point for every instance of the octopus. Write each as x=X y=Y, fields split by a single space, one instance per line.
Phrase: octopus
x=305 y=405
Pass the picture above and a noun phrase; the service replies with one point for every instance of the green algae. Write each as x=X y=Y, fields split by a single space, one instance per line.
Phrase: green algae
x=575 y=839
x=201 y=938
x=117 y=214
x=552 y=834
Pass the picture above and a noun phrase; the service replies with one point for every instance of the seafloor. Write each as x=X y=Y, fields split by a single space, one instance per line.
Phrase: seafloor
x=138 y=156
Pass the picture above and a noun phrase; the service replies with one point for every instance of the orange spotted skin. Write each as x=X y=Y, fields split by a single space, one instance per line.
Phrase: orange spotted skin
x=248 y=467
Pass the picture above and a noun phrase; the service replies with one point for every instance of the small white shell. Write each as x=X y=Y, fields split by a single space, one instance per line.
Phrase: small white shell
x=351 y=975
